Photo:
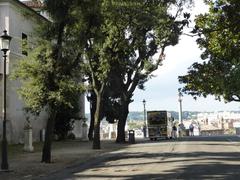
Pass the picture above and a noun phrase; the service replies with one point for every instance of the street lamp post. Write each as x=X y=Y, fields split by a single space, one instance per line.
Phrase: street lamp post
x=90 y=98
x=180 y=105
x=145 y=128
x=181 y=125
x=5 y=43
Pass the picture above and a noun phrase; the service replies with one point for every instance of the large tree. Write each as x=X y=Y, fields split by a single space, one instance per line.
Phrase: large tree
x=219 y=38
x=132 y=33
x=149 y=28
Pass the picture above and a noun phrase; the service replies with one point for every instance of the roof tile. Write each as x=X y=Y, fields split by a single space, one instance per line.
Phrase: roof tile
x=34 y=4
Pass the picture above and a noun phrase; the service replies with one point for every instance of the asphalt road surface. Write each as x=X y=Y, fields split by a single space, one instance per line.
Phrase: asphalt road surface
x=187 y=158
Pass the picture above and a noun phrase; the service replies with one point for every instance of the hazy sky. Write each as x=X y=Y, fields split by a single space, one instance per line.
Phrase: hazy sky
x=161 y=91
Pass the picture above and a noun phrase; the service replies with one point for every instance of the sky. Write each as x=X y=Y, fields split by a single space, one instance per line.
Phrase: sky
x=161 y=92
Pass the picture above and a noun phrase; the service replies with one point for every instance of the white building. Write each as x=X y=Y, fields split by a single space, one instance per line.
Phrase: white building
x=19 y=20
x=216 y=116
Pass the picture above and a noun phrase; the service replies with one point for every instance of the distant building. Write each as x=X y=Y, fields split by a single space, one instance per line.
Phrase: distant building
x=217 y=123
x=216 y=116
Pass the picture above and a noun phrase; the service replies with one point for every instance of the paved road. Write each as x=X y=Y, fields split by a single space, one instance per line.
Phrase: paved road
x=188 y=158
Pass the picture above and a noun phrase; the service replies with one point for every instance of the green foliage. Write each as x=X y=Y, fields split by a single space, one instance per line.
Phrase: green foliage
x=64 y=123
x=136 y=31
x=120 y=53
x=129 y=34
x=34 y=73
x=219 y=38
x=116 y=39
x=66 y=115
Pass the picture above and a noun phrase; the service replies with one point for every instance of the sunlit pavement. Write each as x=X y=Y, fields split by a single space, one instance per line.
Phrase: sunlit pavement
x=185 y=158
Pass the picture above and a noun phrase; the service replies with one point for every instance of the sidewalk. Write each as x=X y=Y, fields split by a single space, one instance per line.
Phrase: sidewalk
x=27 y=166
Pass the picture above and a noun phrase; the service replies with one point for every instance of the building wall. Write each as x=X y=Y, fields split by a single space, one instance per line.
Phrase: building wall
x=212 y=132
x=13 y=18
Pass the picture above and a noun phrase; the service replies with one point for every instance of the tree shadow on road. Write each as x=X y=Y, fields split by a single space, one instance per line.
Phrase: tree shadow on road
x=197 y=165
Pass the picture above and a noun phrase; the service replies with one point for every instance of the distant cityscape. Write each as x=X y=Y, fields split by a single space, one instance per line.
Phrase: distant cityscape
x=205 y=123
x=187 y=115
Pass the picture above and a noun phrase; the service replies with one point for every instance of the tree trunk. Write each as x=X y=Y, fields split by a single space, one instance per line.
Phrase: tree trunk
x=122 y=123
x=46 y=152
x=97 y=120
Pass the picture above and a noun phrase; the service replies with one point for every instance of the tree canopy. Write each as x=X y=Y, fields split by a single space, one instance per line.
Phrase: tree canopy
x=219 y=38
x=132 y=33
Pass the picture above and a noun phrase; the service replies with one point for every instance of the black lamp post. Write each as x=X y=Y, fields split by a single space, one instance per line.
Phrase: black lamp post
x=90 y=98
x=145 y=120
x=5 y=43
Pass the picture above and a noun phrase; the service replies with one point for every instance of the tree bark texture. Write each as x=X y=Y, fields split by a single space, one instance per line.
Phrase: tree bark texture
x=97 y=120
x=46 y=152
x=121 y=123
x=92 y=114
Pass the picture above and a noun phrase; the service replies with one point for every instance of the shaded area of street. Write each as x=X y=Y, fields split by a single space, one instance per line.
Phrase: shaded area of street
x=24 y=165
x=186 y=158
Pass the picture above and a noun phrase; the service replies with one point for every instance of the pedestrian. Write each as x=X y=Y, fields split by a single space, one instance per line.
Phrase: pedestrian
x=144 y=131
x=174 y=131
x=179 y=130
x=191 y=128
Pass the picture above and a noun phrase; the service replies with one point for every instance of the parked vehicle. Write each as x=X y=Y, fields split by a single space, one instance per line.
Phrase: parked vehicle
x=159 y=125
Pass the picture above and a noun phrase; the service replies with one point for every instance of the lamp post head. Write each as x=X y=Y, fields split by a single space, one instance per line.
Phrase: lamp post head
x=180 y=95
x=144 y=101
x=5 y=42
x=89 y=97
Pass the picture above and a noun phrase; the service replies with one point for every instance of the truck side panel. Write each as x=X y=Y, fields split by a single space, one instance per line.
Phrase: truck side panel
x=159 y=124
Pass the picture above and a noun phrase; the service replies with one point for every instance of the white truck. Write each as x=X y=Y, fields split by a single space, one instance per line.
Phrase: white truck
x=159 y=124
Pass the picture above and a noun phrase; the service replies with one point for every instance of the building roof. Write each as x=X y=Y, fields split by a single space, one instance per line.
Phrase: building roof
x=23 y=5
x=34 y=4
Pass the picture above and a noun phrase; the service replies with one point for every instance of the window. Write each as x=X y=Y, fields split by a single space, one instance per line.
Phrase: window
x=24 y=44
